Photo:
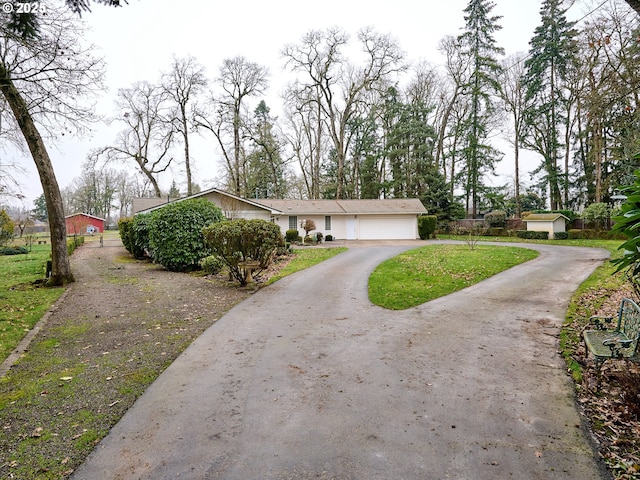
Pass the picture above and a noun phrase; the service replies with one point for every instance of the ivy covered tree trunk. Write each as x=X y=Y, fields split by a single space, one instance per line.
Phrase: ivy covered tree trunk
x=61 y=268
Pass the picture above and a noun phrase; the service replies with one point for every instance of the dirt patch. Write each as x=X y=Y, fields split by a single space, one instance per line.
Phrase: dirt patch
x=118 y=327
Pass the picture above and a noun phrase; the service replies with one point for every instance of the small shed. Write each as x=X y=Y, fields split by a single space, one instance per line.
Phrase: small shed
x=546 y=222
x=83 y=224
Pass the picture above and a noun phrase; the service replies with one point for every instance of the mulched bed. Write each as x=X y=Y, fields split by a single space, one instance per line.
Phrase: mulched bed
x=610 y=402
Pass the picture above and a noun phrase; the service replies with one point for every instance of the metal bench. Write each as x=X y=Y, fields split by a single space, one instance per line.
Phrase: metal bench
x=621 y=342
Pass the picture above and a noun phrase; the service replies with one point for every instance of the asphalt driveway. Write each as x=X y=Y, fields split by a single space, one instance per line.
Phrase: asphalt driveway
x=308 y=380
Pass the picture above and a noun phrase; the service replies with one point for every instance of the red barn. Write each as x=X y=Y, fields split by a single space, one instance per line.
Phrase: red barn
x=83 y=224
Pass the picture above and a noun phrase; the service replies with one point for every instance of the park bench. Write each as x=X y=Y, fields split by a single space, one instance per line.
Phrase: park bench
x=604 y=343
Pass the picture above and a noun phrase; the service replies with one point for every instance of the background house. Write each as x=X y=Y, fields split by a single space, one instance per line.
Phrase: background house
x=380 y=219
x=83 y=224
x=546 y=222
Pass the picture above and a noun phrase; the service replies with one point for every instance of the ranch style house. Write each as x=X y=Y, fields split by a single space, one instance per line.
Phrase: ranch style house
x=380 y=219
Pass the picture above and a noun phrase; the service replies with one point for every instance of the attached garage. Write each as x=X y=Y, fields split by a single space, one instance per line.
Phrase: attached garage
x=377 y=219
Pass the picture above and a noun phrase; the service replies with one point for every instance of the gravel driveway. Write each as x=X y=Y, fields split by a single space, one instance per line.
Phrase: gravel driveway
x=306 y=379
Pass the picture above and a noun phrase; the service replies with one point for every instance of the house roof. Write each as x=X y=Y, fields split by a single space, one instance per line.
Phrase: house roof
x=344 y=207
x=142 y=205
x=543 y=217
x=84 y=215
x=392 y=206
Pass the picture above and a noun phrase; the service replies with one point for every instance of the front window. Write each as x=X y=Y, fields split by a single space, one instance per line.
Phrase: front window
x=293 y=222
x=327 y=222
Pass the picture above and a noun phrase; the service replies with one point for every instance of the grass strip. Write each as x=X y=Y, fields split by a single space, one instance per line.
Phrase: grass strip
x=426 y=273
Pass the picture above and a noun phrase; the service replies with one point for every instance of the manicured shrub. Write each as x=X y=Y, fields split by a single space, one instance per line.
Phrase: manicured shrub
x=319 y=236
x=125 y=229
x=73 y=243
x=532 y=235
x=13 y=250
x=328 y=238
x=427 y=226
x=140 y=235
x=582 y=234
x=212 y=264
x=292 y=236
x=496 y=218
x=175 y=233
x=560 y=235
x=236 y=241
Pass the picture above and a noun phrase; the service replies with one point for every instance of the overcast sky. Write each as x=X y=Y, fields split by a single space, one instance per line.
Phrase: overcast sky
x=139 y=39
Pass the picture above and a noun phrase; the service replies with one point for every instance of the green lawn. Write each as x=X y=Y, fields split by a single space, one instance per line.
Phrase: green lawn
x=22 y=303
x=426 y=273
x=305 y=258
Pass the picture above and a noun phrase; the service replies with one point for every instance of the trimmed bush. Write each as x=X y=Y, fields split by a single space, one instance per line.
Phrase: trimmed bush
x=236 y=241
x=560 y=235
x=140 y=235
x=582 y=234
x=175 y=233
x=13 y=250
x=427 y=226
x=532 y=235
x=211 y=265
x=73 y=243
x=125 y=229
x=496 y=219
x=328 y=238
x=292 y=236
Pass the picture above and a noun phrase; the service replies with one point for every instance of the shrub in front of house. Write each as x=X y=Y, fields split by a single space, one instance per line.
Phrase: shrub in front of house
x=291 y=236
x=241 y=240
x=125 y=229
x=175 y=233
x=328 y=238
x=140 y=235
x=560 y=235
x=427 y=226
x=212 y=265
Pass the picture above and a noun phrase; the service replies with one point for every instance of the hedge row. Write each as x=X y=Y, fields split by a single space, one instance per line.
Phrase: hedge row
x=171 y=235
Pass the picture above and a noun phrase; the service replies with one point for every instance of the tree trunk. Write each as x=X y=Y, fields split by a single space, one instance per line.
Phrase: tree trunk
x=187 y=159
x=60 y=266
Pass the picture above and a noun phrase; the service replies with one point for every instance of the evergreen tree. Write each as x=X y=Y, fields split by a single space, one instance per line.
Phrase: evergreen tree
x=550 y=58
x=479 y=45
x=265 y=168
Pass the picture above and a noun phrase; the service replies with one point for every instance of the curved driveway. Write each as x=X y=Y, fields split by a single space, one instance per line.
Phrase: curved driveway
x=308 y=380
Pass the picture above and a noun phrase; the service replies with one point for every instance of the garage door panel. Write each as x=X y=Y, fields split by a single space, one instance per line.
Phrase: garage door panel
x=387 y=228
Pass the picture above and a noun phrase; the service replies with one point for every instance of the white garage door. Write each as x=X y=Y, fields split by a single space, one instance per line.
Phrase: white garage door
x=388 y=228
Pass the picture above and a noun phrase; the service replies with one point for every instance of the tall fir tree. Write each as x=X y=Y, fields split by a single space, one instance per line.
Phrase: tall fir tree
x=550 y=58
x=479 y=45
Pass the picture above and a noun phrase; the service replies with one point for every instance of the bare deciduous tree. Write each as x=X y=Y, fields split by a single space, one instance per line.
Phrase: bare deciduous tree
x=45 y=82
x=183 y=83
x=340 y=85
x=226 y=116
x=148 y=135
